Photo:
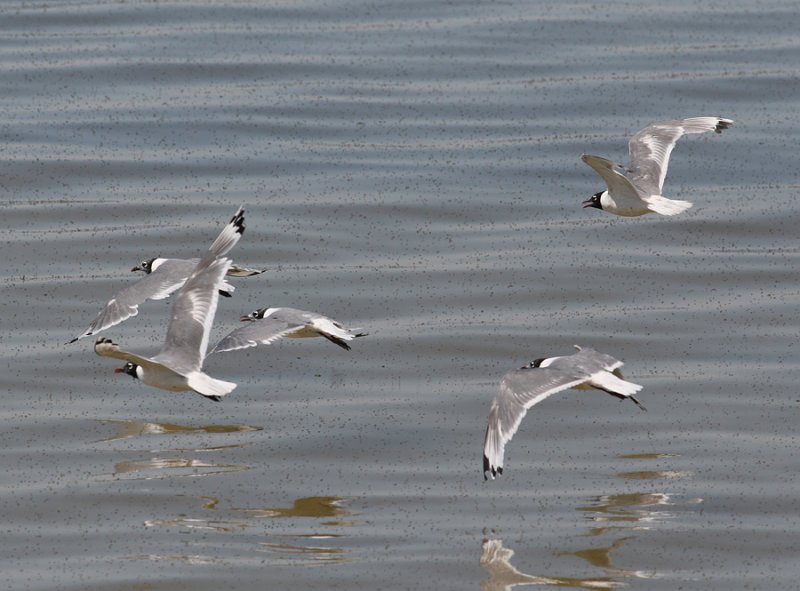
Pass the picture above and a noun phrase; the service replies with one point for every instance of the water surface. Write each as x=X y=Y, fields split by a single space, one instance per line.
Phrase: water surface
x=412 y=168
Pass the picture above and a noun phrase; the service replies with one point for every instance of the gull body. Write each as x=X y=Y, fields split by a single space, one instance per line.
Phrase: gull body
x=178 y=367
x=524 y=387
x=267 y=325
x=637 y=191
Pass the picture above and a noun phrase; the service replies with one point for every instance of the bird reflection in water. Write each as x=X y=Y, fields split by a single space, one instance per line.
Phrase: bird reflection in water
x=126 y=429
x=495 y=558
x=304 y=549
x=632 y=511
x=301 y=555
x=616 y=514
x=156 y=468
x=163 y=467
x=320 y=507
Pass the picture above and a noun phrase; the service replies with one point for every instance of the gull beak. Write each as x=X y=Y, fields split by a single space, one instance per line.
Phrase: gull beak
x=587 y=203
x=136 y=268
x=120 y=370
x=245 y=318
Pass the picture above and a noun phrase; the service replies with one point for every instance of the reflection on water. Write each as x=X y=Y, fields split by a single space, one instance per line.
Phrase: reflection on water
x=192 y=559
x=303 y=550
x=304 y=554
x=495 y=558
x=307 y=507
x=600 y=557
x=178 y=467
x=199 y=524
x=127 y=429
x=654 y=475
x=627 y=511
x=618 y=516
x=649 y=456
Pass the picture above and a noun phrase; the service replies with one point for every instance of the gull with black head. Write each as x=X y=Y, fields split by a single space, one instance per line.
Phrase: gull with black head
x=162 y=277
x=637 y=191
x=179 y=365
x=524 y=387
x=267 y=325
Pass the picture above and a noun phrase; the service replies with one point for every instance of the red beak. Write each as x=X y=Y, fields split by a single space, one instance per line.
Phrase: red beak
x=245 y=318
x=119 y=370
x=587 y=203
x=136 y=268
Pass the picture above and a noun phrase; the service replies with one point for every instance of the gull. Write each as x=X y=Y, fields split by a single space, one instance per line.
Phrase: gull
x=522 y=388
x=162 y=277
x=178 y=367
x=267 y=325
x=639 y=191
x=187 y=265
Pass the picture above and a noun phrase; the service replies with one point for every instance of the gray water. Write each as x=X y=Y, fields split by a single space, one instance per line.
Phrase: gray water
x=412 y=168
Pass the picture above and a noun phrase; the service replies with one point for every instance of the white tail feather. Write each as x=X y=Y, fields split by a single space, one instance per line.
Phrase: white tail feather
x=208 y=386
x=666 y=206
x=325 y=325
x=608 y=381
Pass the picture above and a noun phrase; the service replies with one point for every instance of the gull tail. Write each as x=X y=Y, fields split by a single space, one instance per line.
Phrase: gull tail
x=209 y=387
x=665 y=206
x=613 y=383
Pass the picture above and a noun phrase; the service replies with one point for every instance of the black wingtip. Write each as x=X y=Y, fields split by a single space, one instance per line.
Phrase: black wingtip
x=72 y=341
x=213 y=397
x=337 y=341
x=722 y=124
x=238 y=220
x=225 y=294
x=488 y=468
x=639 y=404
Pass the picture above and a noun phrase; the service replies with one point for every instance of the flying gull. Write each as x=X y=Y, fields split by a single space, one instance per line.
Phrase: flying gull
x=178 y=367
x=639 y=191
x=162 y=277
x=267 y=325
x=522 y=388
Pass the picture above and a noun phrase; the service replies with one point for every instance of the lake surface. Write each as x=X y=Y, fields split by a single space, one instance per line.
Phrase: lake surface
x=412 y=168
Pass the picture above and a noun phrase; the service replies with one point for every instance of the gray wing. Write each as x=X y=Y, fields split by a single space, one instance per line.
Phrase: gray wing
x=257 y=332
x=188 y=265
x=106 y=348
x=159 y=284
x=196 y=304
x=650 y=148
x=585 y=363
x=615 y=181
x=519 y=391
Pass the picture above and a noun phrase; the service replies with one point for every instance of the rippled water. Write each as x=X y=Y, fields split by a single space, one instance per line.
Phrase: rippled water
x=411 y=168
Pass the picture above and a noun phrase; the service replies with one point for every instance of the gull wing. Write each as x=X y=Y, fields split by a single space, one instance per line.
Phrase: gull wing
x=106 y=348
x=257 y=332
x=651 y=147
x=196 y=304
x=616 y=182
x=156 y=286
x=519 y=390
